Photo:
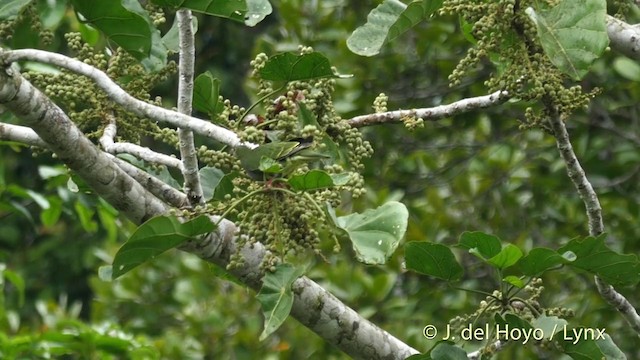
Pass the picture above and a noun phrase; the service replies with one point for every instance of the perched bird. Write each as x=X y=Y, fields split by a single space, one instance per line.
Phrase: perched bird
x=276 y=159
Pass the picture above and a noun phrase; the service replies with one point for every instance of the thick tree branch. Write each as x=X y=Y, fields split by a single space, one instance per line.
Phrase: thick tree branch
x=121 y=97
x=157 y=187
x=434 y=113
x=74 y=149
x=192 y=185
x=623 y=37
x=594 y=213
x=313 y=306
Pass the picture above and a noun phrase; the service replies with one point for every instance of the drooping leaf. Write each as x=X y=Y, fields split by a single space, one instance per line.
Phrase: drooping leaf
x=276 y=296
x=249 y=12
x=445 y=350
x=127 y=24
x=210 y=178
x=594 y=256
x=479 y=243
x=507 y=256
x=514 y=280
x=154 y=237
x=432 y=259
x=376 y=233
x=206 y=92
x=573 y=34
x=538 y=260
x=11 y=8
x=388 y=21
x=291 y=67
x=584 y=349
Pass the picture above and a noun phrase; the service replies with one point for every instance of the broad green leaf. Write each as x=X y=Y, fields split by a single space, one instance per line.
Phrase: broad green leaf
x=550 y=325
x=448 y=351
x=376 y=233
x=305 y=116
x=250 y=12
x=584 y=349
x=508 y=256
x=312 y=180
x=609 y=348
x=50 y=215
x=594 y=256
x=11 y=8
x=85 y=214
x=514 y=280
x=225 y=187
x=511 y=321
x=388 y=21
x=276 y=296
x=156 y=236
x=257 y=10
x=210 y=178
x=487 y=246
x=538 y=260
x=432 y=259
x=127 y=24
x=206 y=92
x=291 y=67
x=573 y=34
x=269 y=166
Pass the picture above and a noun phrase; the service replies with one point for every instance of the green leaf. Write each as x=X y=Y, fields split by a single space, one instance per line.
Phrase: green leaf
x=479 y=243
x=585 y=349
x=514 y=280
x=305 y=116
x=50 y=215
x=210 y=178
x=573 y=34
x=312 y=180
x=291 y=67
x=376 y=233
x=508 y=256
x=388 y=21
x=257 y=10
x=448 y=351
x=225 y=187
x=251 y=12
x=610 y=350
x=156 y=236
x=594 y=256
x=432 y=259
x=276 y=296
x=127 y=24
x=206 y=92
x=550 y=325
x=538 y=260
x=11 y=8
x=269 y=166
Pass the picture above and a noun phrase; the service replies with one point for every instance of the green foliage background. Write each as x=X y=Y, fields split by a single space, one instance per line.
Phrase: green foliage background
x=476 y=171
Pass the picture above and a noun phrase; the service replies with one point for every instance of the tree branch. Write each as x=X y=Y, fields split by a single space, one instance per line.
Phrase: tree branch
x=121 y=97
x=60 y=134
x=623 y=37
x=313 y=306
x=192 y=185
x=434 y=113
x=141 y=152
x=594 y=213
